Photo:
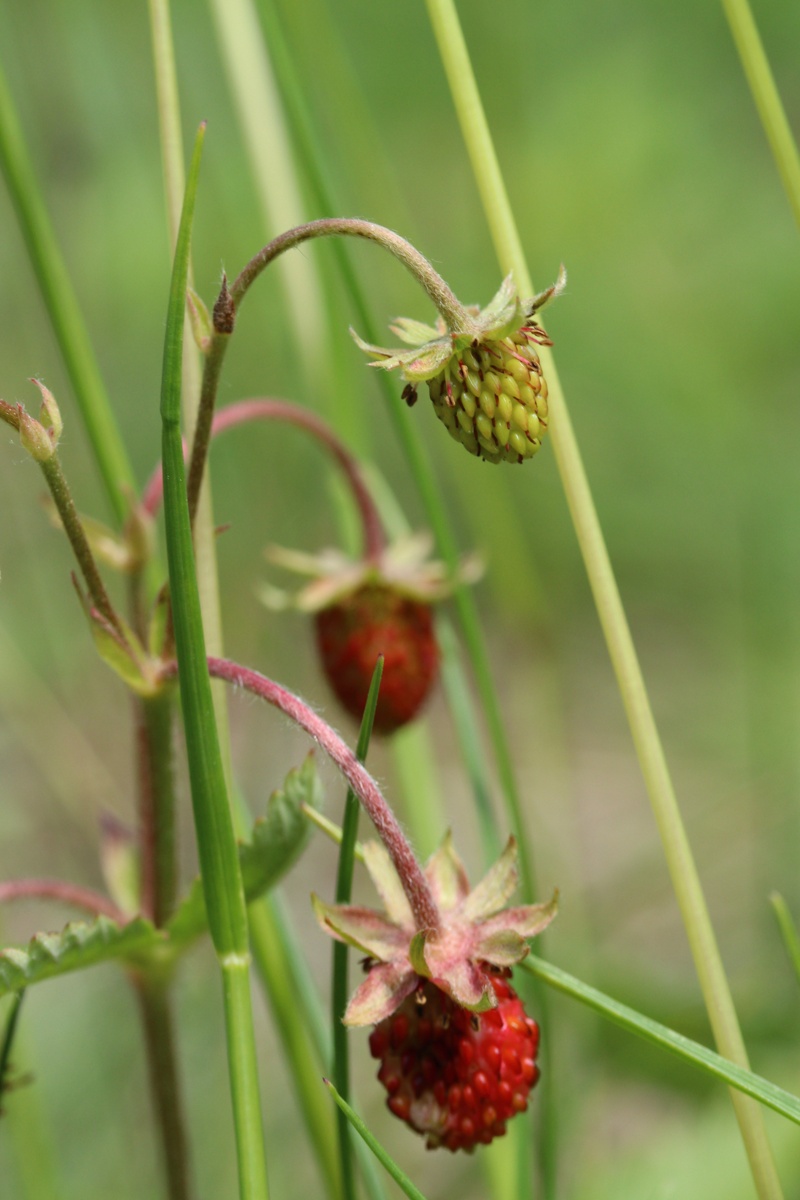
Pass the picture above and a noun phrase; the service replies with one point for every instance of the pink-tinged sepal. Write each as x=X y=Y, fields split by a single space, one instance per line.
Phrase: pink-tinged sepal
x=362 y=928
x=447 y=876
x=387 y=884
x=383 y=991
x=526 y=921
x=466 y=982
x=497 y=886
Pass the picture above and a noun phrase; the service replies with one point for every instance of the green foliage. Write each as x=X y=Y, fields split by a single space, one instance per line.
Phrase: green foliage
x=275 y=843
x=80 y=944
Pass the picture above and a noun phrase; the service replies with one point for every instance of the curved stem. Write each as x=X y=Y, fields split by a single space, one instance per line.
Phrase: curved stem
x=269 y=409
x=64 y=893
x=452 y=310
x=415 y=885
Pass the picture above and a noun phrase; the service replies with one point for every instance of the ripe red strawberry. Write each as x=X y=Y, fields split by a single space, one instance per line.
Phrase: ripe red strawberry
x=378 y=619
x=456 y=1076
x=378 y=604
x=458 y=1053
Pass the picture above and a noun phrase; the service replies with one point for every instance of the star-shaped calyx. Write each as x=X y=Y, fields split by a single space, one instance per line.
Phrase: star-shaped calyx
x=475 y=935
x=485 y=378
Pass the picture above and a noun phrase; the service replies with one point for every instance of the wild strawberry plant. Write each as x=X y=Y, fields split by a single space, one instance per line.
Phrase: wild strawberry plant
x=458 y=1049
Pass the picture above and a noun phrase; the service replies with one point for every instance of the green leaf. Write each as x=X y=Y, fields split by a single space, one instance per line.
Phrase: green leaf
x=80 y=944
x=760 y=1089
x=276 y=841
x=280 y=836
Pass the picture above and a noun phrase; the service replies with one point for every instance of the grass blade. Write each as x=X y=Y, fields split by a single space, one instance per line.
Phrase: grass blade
x=377 y=1149
x=744 y=1081
x=63 y=310
x=340 y=976
x=219 y=863
x=678 y=854
x=765 y=95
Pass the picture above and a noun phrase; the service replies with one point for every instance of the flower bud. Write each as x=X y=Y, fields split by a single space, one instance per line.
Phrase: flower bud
x=49 y=413
x=34 y=437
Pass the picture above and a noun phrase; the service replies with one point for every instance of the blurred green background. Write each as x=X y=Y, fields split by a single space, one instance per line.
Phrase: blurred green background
x=633 y=154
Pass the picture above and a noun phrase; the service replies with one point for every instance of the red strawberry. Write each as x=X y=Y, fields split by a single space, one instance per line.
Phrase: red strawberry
x=375 y=620
x=453 y=1075
x=379 y=604
x=458 y=1053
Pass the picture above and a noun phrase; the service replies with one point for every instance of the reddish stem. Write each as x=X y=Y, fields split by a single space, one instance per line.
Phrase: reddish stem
x=268 y=409
x=64 y=893
x=415 y=885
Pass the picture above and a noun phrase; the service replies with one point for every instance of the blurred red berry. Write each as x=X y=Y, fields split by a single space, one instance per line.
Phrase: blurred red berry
x=374 y=620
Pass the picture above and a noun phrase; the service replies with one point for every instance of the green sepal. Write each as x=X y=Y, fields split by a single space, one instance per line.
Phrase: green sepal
x=200 y=320
x=80 y=944
x=416 y=954
x=414 y=333
x=124 y=653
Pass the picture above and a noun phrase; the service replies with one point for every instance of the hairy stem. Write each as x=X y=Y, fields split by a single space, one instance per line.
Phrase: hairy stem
x=63 y=893
x=159 y=1033
x=457 y=318
x=62 y=497
x=269 y=409
x=386 y=824
x=157 y=836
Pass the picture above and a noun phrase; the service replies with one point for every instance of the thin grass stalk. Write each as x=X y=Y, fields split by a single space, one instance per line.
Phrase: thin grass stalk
x=159 y=1030
x=219 y=862
x=739 y=1078
x=685 y=879
x=63 y=310
x=258 y=107
x=203 y=524
x=289 y=1006
x=340 y=982
x=766 y=97
x=788 y=930
x=377 y=1149
x=310 y=1024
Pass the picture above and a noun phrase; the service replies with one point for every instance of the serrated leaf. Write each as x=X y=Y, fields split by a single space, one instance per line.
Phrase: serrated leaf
x=280 y=835
x=80 y=944
x=276 y=841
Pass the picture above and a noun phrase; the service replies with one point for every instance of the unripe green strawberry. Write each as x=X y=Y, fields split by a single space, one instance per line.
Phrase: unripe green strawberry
x=485 y=380
x=492 y=398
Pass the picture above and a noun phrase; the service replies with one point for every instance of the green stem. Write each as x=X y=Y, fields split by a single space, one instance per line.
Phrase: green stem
x=62 y=498
x=377 y=1149
x=159 y=1031
x=340 y=986
x=289 y=1008
x=157 y=805
x=452 y=310
x=219 y=861
x=745 y=1081
x=683 y=871
x=791 y=939
x=765 y=94
x=63 y=310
